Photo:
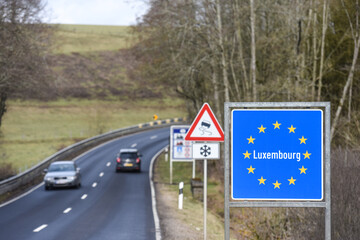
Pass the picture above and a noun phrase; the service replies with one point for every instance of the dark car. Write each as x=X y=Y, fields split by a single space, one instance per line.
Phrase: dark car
x=62 y=174
x=128 y=159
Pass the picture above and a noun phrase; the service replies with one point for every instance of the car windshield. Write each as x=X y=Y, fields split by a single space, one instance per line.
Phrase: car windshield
x=61 y=167
x=128 y=155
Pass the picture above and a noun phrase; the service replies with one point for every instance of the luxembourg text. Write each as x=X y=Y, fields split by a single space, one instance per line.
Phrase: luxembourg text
x=277 y=155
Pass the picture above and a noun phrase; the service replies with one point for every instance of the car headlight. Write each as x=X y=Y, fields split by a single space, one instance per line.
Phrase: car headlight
x=71 y=178
x=48 y=179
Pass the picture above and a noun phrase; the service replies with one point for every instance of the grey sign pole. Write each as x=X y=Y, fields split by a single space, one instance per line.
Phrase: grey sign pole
x=249 y=203
x=205 y=196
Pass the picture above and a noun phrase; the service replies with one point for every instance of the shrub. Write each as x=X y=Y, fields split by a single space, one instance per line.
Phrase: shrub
x=6 y=171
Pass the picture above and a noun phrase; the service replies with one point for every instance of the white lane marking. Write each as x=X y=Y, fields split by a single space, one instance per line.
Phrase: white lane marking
x=101 y=174
x=134 y=145
x=108 y=164
x=67 y=210
x=94 y=184
x=84 y=196
x=153 y=197
x=40 y=228
x=74 y=160
x=153 y=137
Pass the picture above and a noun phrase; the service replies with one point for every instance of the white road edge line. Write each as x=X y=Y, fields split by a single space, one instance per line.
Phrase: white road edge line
x=134 y=145
x=40 y=228
x=67 y=210
x=83 y=196
x=22 y=195
x=94 y=184
x=101 y=174
x=153 y=196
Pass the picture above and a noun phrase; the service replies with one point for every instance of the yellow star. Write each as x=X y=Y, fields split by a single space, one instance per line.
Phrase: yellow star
x=277 y=185
x=302 y=140
x=247 y=154
x=262 y=180
x=276 y=125
x=307 y=155
x=251 y=140
x=291 y=129
x=302 y=170
x=291 y=181
x=262 y=129
x=251 y=169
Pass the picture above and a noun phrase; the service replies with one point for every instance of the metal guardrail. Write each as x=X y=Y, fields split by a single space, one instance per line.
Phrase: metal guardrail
x=28 y=176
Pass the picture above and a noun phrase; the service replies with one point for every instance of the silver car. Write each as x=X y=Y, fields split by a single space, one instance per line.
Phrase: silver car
x=62 y=174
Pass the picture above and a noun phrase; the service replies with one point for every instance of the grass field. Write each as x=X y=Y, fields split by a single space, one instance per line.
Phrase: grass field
x=91 y=38
x=34 y=130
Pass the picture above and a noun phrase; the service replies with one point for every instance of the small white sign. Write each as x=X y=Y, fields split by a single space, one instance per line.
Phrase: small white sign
x=180 y=149
x=206 y=151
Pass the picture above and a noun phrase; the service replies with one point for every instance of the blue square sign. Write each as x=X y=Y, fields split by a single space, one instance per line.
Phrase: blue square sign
x=277 y=154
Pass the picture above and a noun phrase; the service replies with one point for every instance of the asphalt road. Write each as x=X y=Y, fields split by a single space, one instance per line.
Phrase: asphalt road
x=109 y=205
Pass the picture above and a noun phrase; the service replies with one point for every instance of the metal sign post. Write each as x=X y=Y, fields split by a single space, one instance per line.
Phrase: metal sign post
x=205 y=128
x=205 y=195
x=279 y=155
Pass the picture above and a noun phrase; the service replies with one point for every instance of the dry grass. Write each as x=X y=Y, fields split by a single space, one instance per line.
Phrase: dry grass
x=91 y=38
x=34 y=130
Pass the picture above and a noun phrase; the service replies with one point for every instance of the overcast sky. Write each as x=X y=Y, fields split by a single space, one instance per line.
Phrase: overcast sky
x=95 y=12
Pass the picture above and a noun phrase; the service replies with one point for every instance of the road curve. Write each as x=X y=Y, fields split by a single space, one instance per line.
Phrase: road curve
x=108 y=206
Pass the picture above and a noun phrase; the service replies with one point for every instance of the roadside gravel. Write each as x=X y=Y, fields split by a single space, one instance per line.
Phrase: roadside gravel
x=171 y=223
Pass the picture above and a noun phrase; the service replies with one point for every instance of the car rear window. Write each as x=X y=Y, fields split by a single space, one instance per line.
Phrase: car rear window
x=128 y=155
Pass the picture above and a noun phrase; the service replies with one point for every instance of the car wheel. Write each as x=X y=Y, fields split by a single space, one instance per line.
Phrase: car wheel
x=47 y=188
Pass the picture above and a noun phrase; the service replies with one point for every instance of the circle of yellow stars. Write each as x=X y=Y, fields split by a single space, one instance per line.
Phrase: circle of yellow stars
x=277 y=183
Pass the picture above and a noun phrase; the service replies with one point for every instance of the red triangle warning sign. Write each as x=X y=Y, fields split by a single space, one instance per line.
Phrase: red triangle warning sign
x=205 y=127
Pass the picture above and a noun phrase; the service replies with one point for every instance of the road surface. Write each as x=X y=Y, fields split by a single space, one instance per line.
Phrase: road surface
x=109 y=205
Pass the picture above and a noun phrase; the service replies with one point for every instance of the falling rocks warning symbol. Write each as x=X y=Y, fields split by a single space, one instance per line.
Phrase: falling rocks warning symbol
x=205 y=150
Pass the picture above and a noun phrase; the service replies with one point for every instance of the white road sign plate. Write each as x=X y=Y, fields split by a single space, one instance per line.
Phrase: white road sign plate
x=206 y=151
x=179 y=147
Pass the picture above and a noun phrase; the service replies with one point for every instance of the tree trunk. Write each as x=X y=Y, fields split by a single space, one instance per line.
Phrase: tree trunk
x=3 y=98
x=324 y=28
x=253 y=50
x=216 y=90
x=233 y=73
x=346 y=87
x=314 y=55
x=241 y=51
x=222 y=49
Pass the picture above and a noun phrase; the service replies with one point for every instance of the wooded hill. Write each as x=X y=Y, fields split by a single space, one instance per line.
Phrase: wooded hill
x=220 y=51
x=275 y=51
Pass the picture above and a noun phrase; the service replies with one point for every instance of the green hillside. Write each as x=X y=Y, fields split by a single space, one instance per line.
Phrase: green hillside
x=91 y=38
x=92 y=89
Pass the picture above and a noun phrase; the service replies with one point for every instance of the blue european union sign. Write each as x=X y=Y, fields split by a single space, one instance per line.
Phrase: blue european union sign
x=277 y=154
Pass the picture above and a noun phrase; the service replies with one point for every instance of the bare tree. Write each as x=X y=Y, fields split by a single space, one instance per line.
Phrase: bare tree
x=22 y=43
x=322 y=56
x=222 y=51
x=314 y=52
x=355 y=33
x=253 y=50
